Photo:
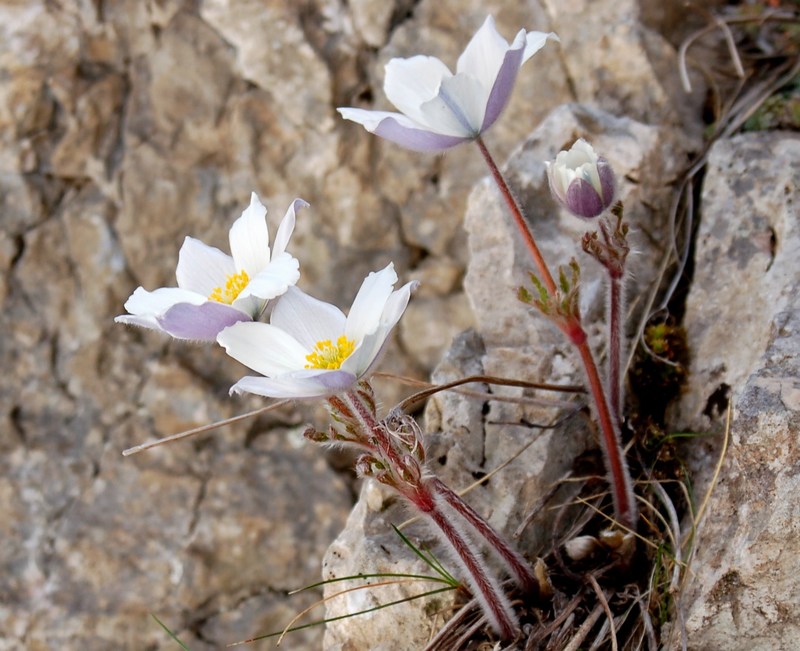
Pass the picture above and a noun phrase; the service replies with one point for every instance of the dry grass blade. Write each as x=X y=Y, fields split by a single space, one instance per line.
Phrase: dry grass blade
x=601 y=597
x=583 y=630
x=202 y=429
x=410 y=403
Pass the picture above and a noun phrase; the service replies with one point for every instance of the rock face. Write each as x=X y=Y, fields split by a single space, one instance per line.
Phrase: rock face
x=124 y=127
x=743 y=322
x=127 y=125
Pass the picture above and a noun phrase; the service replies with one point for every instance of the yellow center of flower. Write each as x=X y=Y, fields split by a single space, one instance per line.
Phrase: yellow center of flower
x=234 y=284
x=328 y=355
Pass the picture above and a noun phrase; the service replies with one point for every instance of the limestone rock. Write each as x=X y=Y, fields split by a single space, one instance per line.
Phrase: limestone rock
x=629 y=69
x=368 y=545
x=743 y=322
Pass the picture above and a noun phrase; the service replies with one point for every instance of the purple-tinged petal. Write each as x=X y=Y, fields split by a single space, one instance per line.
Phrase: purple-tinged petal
x=502 y=87
x=583 y=200
x=608 y=180
x=263 y=348
x=199 y=322
x=202 y=268
x=145 y=307
x=286 y=228
x=401 y=130
x=522 y=49
x=415 y=138
x=297 y=386
x=249 y=238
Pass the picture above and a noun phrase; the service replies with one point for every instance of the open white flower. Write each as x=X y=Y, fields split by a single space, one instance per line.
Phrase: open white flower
x=310 y=348
x=216 y=290
x=439 y=109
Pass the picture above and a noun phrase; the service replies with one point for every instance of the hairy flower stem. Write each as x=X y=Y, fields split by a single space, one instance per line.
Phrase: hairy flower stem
x=515 y=563
x=615 y=323
x=621 y=485
x=519 y=219
x=432 y=499
x=489 y=594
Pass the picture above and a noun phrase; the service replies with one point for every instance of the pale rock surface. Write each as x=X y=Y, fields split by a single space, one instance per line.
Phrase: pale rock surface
x=616 y=60
x=743 y=324
x=369 y=545
x=124 y=127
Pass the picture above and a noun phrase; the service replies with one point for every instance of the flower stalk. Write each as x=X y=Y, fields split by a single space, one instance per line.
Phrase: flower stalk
x=393 y=453
x=611 y=249
x=561 y=305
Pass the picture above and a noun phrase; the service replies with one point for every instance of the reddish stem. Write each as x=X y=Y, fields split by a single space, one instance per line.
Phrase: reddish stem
x=493 y=600
x=624 y=505
x=622 y=492
x=488 y=593
x=514 y=561
x=519 y=219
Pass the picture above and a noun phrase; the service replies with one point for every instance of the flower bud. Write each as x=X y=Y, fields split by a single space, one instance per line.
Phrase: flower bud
x=582 y=181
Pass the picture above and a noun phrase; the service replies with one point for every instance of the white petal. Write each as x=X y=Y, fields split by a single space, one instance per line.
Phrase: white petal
x=202 y=268
x=308 y=319
x=249 y=238
x=371 y=119
x=142 y=302
x=282 y=272
x=286 y=228
x=534 y=41
x=409 y=83
x=484 y=54
x=397 y=304
x=365 y=314
x=465 y=98
x=366 y=354
x=263 y=348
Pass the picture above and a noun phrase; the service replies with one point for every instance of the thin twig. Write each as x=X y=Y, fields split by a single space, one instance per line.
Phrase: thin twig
x=601 y=597
x=203 y=428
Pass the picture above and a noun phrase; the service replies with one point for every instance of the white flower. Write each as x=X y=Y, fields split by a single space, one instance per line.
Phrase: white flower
x=583 y=182
x=439 y=109
x=310 y=349
x=216 y=290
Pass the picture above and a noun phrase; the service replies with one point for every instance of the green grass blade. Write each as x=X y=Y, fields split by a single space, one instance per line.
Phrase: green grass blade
x=169 y=632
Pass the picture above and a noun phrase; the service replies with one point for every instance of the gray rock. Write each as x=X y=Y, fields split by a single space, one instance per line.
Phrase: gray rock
x=743 y=323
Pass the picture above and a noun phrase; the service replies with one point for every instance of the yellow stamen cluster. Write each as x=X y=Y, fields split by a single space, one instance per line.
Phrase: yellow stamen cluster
x=234 y=285
x=328 y=355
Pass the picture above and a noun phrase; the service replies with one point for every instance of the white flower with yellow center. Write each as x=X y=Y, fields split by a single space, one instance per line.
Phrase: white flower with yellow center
x=439 y=109
x=216 y=290
x=310 y=348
